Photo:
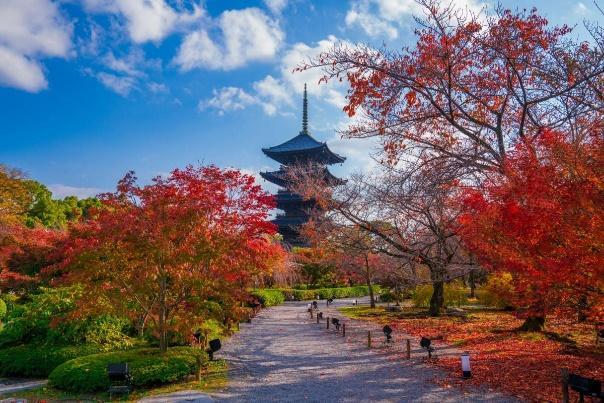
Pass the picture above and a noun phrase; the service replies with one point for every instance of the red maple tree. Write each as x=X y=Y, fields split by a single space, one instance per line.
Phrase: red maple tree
x=543 y=221
x=177 y=251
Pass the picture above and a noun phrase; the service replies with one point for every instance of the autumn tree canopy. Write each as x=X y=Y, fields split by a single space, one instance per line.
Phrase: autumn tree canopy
x=176 y=251
x=544 y=223
x=472 y=85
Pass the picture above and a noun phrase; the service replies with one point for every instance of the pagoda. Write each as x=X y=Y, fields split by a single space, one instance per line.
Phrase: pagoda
x=303 y=149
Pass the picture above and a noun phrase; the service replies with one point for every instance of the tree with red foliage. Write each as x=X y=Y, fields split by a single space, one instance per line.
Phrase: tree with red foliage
x=176 y=251
x=24 y=252
x=544 y=223
x=471 y=86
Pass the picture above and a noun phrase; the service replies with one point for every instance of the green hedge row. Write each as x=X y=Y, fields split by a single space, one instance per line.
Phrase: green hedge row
x=275 y=296
x=268 y=297
x=148 y=367
x=39 y=361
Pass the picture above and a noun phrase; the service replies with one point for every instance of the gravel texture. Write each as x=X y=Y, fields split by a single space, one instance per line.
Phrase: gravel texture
x=285 y=356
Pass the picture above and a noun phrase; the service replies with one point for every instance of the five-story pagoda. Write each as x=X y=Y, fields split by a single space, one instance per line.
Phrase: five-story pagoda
x=301 y=150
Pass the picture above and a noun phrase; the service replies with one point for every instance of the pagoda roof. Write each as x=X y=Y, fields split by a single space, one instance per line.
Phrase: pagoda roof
x=280 y=178
x=303 y=147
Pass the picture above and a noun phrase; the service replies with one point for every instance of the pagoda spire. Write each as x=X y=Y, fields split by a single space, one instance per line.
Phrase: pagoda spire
x=305 y=112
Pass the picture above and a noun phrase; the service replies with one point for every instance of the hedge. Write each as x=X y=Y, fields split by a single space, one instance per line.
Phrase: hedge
x=268 y=297
x=39 y=360
x=325 y=293
x=148 y=367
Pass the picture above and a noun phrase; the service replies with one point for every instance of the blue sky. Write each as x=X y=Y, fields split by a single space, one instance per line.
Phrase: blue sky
x=90 y=89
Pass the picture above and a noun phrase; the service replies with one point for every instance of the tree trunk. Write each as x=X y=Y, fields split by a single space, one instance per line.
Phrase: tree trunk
x=582 y=307
x=142 y=321
x=437 y=301
x=368 y=280
x=533 y=324
x=472 y=284
x=163 y=331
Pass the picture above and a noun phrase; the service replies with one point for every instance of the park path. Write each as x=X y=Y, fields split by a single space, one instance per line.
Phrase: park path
x=284 y=356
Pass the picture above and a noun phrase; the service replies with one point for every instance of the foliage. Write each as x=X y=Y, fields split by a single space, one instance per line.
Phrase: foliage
x=543 y=222
x=160 y=252
x=498 y=291
x=46 y=318
x=316 y=266
x=36 y=361
x=14 y=198
x=268 y=297
x=454 y=295
x=466 y=90
x=325 y=293
x=3 y=310
x=148 y=367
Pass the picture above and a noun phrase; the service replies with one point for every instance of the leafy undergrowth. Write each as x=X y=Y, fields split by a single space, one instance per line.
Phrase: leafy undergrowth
x=214 y=377
x=522 y=364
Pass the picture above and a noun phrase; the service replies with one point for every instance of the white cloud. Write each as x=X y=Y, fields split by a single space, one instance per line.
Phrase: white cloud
x=157 y=88
x=126 y=65
x=30 y=30
x=245 y=35
x=333 y=92
x=273 y=94
x=276 y=6
x=147 y=20
x=61 y=191
x=122 y=85
x=581 y=9
x=372 y=25
x=228 y=99
x=381 y=17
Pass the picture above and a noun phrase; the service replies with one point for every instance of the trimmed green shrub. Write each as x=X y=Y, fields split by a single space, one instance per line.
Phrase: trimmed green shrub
x=325 y=293
x=455 y=295
x=387 y=296
x=268 y=297
x=498 y=291
x=148 y=367
x=39 y=361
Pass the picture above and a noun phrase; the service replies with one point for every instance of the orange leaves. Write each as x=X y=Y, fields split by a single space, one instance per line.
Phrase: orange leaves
x=515 y=363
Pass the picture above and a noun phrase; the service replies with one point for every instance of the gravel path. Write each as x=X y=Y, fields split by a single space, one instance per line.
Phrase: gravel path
x=284 y=356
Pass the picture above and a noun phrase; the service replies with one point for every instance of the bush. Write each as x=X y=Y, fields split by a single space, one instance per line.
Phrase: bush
x=498 y=291
x=3 y=309
x=38 y=361
x=44 y=320
x=148 y=367
x=325 y=293
x=455 y=294
x=268 y=297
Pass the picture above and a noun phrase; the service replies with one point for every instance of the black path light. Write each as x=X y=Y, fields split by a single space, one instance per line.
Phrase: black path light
x=466 y=370
x=214 y=346
x=426 y=344
x=336 y=323
x=388 y=333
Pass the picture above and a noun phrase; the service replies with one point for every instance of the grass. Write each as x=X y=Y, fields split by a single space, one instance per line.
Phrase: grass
x=499 y=352
x=213 y=378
